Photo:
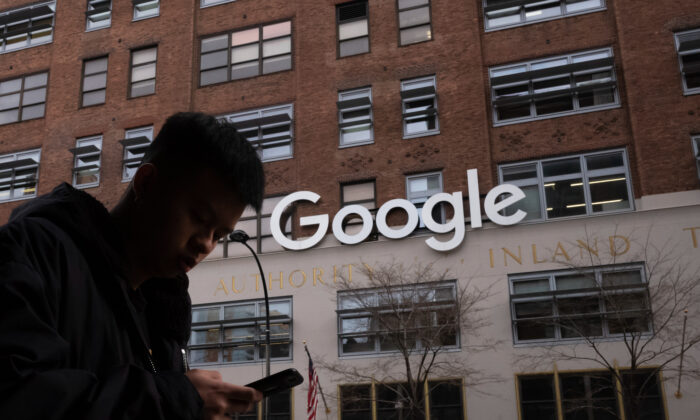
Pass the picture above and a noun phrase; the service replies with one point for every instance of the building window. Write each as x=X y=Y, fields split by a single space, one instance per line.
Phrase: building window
x=86 y=161
x=500 y=14
x=414 y=21
x=353 y=28
x=135 y=142
x=26 y=26
x=144 y=9
x=23 y=98
x=587 y=395
x=98 y=15
x=207 y=3
x=366 y=317
x=257 y=226
x=696 y=152
x=421 y=187
x=269 y=130
x=355 y=120
x=688 y=47
x=419 y=107
x=361 y=193
x=235 y=332
x=582 y=303
x=94 y=81
x=445 y=400
x=143 y=72
x=553 y=86
x=579 y=185
x=19 y=173
x=246 y=53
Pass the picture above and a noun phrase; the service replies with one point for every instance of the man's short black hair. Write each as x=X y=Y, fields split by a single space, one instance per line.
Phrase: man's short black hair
x=192 y=141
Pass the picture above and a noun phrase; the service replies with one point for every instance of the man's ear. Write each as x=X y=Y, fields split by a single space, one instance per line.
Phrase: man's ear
x=144 y=182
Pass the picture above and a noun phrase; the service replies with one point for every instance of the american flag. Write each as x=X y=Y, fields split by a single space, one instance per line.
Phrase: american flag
x=312 y=398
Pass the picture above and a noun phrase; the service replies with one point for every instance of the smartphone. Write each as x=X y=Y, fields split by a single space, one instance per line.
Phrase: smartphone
x=278 y=382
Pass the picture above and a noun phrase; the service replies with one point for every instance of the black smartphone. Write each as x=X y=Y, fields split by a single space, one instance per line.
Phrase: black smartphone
x=278 y=382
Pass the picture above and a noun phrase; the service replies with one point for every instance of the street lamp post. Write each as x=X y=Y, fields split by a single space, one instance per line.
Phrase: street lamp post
x=242 y=237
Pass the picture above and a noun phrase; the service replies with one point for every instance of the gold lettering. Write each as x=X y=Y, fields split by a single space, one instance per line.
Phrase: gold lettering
x=534 y=255
x=613 y=248
x=584 y=245
x=370 y=270
x=233 y=286
x=491 y=257
x=318 y=274
x=557 y=252
x=270 y=280
x=222 y=286
x=335 y=274
x=349 y=273
x=257 y=281
x=303 y=278
x=692 y=235
x=518 y=259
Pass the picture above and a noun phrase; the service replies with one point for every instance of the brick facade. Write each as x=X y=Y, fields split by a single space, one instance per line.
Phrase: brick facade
x=654 y=121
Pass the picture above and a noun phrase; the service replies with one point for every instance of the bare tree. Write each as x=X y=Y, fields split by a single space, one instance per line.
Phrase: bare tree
x=626 y=314
x=414 y=315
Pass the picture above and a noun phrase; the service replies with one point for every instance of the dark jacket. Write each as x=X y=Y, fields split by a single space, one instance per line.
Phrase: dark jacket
x=73 y=341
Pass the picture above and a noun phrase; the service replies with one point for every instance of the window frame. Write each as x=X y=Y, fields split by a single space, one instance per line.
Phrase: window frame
x=21 y=92
x=137 y=3
x=258 y=217
x=22 y=10
x=258 y=320
x=13 y=168
x=695 y=140
x=260 y=58
x=373 y=332
x=524 y=22
x=82 y=81
x=202 y=4
x=557 y=395
x=258 y=144
x=93 y=10
x=356 y=221
x=372 y=408
x=569 y=70
x=353 y=108
x=599 y=291
x=676 y=40
x=585 y=175
x=130 y=146
x=79 y=154
x=423 y=94
x=413 y=198
x=399 y=10
x=132 y=68
x=337 y=28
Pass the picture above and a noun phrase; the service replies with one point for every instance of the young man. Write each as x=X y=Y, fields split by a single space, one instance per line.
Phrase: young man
x=94 y=309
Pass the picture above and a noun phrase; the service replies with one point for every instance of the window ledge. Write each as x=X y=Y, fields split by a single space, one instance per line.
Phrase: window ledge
x=347 y=146
x=28 y=46
x=424 y=134
x=391 y=354
x=97 y=29
x=145 y=18
x=215 y=4
x=516 y=25
x=28 y=197
x=570 y=341
x=562 y=114
x=583 y=216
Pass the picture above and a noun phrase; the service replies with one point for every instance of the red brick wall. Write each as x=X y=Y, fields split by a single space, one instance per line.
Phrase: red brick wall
x=654 y=120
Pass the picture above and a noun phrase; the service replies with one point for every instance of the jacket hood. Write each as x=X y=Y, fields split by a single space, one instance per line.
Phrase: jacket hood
x=91 y=227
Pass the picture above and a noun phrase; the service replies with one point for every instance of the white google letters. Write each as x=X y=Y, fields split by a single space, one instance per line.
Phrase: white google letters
x=511 y=195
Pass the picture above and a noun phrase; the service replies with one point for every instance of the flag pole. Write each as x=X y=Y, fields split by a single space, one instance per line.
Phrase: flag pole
x=323 y=397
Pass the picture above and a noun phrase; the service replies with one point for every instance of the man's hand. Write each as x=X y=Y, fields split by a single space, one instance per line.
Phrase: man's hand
x=222 y=399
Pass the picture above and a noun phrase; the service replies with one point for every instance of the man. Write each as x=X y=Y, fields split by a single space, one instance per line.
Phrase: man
x=94 y=309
